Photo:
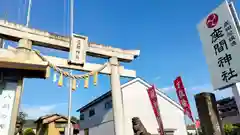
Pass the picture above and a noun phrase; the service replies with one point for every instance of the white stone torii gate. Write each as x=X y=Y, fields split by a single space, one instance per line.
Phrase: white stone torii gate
x=16 y=64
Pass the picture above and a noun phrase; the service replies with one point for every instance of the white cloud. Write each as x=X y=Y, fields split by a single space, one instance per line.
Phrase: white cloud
x=202 y=88
x=36 y=111
x=167 y=89
x=219 y=94
x=157 y=78
x=193 y=89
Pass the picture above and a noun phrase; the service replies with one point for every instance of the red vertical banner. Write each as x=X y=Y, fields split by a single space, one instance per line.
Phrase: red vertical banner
x=183 y=97
x=153 y=99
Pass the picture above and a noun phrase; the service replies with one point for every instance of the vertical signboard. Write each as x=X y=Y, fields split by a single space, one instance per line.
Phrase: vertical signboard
x=221 y=45
x=153 y=98
x=78 y=49
x=183 y=97
x=7 y=96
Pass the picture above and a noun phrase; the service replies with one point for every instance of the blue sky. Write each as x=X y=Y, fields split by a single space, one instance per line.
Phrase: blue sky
x=164 y=31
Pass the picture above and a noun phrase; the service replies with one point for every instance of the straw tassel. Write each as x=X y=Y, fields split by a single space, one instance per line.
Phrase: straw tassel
x=48 y=72
x=60 y=81
x=74 y=84
x=95 y=78
x=86 y=81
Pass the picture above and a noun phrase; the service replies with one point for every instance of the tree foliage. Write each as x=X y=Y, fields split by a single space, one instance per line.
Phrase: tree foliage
x=75 y=119
x=229 y=128
x=29 y=131
x=21 y=118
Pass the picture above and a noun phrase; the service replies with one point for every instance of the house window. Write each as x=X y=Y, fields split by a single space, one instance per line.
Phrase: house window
x=91 y=112
x=82 y=117
x=60 y=125
x=108 y=105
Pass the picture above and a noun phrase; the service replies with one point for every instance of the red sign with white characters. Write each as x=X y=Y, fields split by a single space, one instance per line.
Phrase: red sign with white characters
x=183 y=97
x=153 y=98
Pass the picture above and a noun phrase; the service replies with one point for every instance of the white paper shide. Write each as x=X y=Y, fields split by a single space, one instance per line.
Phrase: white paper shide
x=221 y=45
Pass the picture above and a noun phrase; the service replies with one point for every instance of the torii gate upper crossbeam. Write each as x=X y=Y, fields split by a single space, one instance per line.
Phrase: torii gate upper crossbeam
x=15 y=32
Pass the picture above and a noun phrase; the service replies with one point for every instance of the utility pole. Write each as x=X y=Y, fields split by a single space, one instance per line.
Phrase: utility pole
x=69 y=129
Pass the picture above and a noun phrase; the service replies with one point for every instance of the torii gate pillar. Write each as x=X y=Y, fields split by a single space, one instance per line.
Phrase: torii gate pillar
x=25 y=43
x=11 y=84
x=118 y=112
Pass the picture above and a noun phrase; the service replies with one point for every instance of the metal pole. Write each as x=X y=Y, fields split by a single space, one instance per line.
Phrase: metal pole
x=69 y=107
x=236 y=93
x=70 y=80
x=117 y=98
x=29 y=12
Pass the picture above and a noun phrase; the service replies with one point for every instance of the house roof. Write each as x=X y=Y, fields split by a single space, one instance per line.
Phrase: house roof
x=142 y=81
x=51 y=115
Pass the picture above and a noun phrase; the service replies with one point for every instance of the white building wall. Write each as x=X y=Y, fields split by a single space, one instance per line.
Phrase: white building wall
x=137 y=104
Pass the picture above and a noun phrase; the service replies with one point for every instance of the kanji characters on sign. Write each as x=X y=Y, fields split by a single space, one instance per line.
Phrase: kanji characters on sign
x=217 y=33
x=228 y=74
x=78 y=49
x=219 y=47
x=221 y=44
x=7 y=96
x=5 y=106
x=183 y=97
x=230 y=35
x=225 y=60
x=153 y=99
x=2 y=126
